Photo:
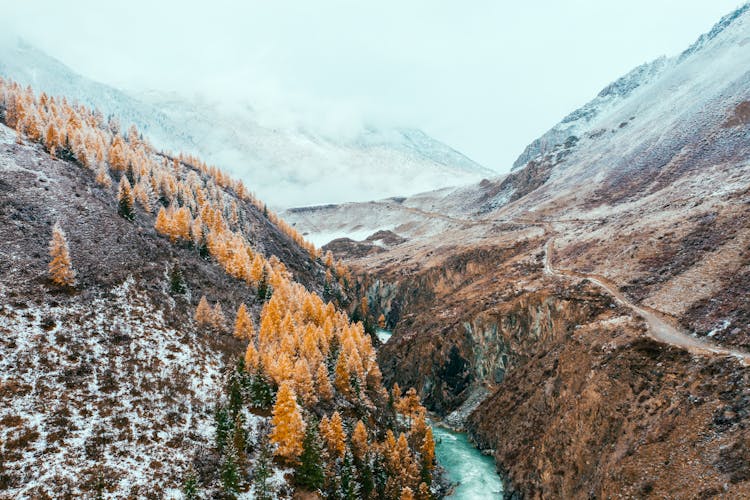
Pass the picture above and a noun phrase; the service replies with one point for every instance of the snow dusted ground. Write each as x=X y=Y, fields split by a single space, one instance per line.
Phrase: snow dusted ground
x=102 y=391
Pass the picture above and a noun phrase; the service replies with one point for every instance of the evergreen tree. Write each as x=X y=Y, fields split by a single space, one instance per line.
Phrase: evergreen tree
x=239 y=440
x=190 y=485
x=125 y=199
x=263 y=286
x=60 y=268
x=365 y=476
x=261 y=392
x=223 y=427
x=177 y=285
x=310 y=473
x=130 y=174
x=235 y=390
x=230 y=473
x=379 y=475
x=262 y=470
x=349 y=487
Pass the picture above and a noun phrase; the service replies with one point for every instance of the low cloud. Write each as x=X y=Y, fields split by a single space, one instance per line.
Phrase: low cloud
x=485 y=77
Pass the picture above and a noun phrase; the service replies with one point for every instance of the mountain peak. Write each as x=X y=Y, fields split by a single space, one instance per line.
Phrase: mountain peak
x=719 y=28
x=621 y=90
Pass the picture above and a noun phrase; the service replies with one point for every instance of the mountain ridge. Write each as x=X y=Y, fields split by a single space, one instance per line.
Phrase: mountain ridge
x=576 y=122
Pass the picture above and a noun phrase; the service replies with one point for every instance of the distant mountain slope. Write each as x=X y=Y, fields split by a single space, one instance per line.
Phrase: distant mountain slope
x=299 y=166
x=659 y=79
x=287 y=166
x=654 y=126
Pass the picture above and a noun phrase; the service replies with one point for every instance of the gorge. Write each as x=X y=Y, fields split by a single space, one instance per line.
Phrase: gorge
x=585 y=318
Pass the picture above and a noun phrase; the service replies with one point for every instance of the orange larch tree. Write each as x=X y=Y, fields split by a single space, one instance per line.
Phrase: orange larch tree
x=102 y=176
x=51 y=138
x=60 y=267
x=243 y=324
x=303 y=383
x=359 y=441
x=163 y=222
x=203 y=313
x=218 y=320
x=288 y=426
x=323 y=383
x=407 y=494
x=334 y=435
x=427 y=450
x=342 y=380
x=252 y=358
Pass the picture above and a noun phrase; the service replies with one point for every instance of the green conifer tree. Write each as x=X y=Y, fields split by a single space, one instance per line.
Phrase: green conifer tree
x=261 y=393
x=349 y=487
x=190 y=485
x=364 y=475
x=310 y=473
x=177 y=285
x=230 y=473
x=125 y=200
x=223 y=427
x=262 y=470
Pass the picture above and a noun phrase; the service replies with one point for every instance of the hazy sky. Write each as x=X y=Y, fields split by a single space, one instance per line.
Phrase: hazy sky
x=486 y=77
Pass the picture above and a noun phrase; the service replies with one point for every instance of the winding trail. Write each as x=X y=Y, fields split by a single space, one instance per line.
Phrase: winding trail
x=658 y=327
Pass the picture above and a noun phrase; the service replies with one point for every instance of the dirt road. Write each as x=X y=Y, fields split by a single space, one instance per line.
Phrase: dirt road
x=658 y=327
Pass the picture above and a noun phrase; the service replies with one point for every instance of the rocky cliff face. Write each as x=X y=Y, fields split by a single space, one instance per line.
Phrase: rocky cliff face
x=580 y=403
x=453 y=337
x=605 y=413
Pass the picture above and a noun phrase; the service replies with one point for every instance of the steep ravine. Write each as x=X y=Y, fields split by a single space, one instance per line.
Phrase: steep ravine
x=455 y=335
x=579 y=401
x=605 y=413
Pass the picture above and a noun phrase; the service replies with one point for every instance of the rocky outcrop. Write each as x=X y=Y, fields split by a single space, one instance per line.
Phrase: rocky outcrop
x=452 y=336
x=604 y=413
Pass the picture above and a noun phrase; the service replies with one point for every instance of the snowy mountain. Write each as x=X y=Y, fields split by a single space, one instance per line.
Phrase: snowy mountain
x=287 y=166
x=714 y=61
x=672 y=122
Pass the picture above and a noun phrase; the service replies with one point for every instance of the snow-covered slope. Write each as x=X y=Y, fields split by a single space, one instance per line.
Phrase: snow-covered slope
x=29 y=66
x=286 y=166
x=703 y=71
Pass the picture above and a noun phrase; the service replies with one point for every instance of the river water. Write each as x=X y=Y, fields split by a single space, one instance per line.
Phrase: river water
x=465 y=466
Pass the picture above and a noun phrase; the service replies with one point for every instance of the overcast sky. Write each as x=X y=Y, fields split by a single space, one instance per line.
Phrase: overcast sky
x=484 y=76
